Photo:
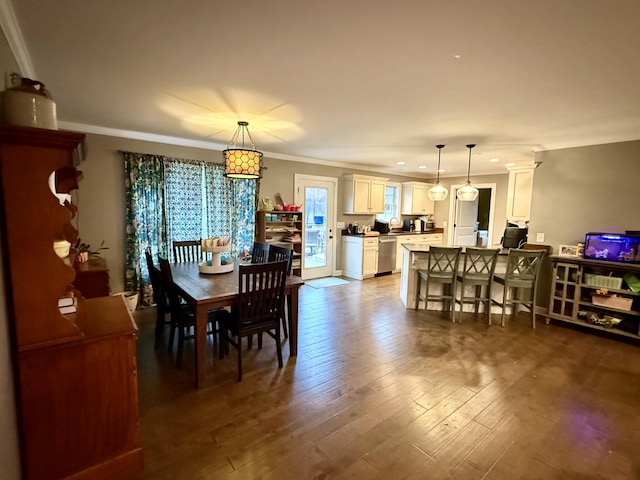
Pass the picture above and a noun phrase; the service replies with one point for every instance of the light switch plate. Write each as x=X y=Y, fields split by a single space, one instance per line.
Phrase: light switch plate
x=540 y=237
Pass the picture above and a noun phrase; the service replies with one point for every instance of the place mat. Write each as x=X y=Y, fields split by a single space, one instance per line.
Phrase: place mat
x=326 y=282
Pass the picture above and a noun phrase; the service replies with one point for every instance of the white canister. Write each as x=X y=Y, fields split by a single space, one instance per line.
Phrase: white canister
x=29 y=104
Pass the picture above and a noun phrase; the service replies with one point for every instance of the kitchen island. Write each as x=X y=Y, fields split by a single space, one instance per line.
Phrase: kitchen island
x=416 y=256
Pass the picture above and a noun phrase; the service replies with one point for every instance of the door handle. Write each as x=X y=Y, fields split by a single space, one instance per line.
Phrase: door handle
x=330 y=237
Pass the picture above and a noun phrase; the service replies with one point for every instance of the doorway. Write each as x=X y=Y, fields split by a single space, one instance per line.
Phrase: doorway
x=472 y=222
x=317 y=195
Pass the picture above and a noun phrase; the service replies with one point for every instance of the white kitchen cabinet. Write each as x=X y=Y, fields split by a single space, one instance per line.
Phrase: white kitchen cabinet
x=519 y=193
x=364 y=194
x=359 y=257
x=424 y=239
x=415 y=200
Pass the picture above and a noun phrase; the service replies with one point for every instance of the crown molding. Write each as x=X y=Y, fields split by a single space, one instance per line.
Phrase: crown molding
x=185 y=142
x=12 y=32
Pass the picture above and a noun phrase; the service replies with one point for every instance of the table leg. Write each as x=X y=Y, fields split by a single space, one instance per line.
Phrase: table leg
x=292 y=304
x=202 y=317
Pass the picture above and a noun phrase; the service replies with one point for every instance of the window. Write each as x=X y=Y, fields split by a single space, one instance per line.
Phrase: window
x=391 y=203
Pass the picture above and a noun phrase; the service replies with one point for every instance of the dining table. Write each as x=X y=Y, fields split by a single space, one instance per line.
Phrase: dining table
x=204 y=292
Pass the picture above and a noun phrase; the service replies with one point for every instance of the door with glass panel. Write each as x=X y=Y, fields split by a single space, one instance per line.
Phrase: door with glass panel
x=317 y=197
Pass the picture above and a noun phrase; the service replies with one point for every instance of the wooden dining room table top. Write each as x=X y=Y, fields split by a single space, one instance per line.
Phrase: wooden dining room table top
x=201 y=287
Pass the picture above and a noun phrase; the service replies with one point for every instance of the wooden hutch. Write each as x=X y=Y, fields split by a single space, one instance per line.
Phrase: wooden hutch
x=76 y=383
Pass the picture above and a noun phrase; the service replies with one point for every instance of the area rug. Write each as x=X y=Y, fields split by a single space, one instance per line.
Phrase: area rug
x=325 y=282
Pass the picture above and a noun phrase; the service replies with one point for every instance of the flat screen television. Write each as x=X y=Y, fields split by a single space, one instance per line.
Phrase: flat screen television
x=514 y=237
x=612 y=247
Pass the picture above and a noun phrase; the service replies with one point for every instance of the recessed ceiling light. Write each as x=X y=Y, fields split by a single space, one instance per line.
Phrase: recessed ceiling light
x=399 y=163
x=456 y=56
x=422 y=167
x=494 y=160
x=510 y=165
x=442 y=170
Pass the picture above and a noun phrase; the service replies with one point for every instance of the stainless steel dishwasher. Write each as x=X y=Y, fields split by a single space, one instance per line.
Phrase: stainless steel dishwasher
x=386 y=255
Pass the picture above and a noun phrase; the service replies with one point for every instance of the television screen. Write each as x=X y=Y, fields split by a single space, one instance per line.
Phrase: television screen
x=613 y=247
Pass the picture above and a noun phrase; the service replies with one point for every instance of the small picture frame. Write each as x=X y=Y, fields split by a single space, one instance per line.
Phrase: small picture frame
x=568 y=250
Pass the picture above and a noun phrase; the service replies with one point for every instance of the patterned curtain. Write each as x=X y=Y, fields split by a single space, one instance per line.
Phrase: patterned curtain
x=145 y=218
x=231 y=207
x=184 y=202
x=164 y=202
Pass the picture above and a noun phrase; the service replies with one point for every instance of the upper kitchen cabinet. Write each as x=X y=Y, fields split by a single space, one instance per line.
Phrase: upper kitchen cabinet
x=364 y=194
x=415 y=200
x=519 y=193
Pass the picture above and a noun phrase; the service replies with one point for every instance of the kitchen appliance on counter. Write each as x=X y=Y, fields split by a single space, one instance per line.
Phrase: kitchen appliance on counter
x=380 y=226
x=424 y=224
x=386 y=255
x=408 y=226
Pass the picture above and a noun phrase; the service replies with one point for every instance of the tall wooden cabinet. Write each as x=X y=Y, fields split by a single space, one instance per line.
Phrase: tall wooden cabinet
x=76 y=386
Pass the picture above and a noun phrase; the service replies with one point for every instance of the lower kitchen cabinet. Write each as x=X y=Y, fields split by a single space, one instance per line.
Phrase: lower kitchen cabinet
x=359 y=257
x=415 y=238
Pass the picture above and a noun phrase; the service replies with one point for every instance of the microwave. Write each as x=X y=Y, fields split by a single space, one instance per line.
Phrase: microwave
x=612 y=247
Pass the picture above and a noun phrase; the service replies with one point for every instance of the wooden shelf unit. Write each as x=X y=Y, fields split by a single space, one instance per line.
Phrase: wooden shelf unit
x=571 y=300
x=76 y=386
x=279 y=230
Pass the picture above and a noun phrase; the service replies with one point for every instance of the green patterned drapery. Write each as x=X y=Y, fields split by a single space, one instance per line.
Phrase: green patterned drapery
x=171 y=199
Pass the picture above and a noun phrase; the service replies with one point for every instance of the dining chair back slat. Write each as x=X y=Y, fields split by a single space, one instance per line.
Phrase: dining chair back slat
x=187 y=251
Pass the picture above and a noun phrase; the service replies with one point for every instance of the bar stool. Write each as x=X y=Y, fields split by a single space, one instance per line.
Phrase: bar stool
x=442 y=269
x=522 y=271
x=477 y=271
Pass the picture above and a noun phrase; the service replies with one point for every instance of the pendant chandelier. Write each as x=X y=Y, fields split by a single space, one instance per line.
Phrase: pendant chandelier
x=468 y=193
x=241 y=162
x=438 y=192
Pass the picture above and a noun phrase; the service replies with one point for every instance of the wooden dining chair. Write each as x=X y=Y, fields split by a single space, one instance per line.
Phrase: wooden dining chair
x=260 y=252
x=187 y=251
x=258 y=308
x=182 y=316
x=442 y=269
x=276 y=254
x=477 y=273
x=520 y=276
x=159 y=298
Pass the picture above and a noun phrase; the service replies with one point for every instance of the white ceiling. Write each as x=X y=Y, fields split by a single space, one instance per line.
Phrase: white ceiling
x=366 y=83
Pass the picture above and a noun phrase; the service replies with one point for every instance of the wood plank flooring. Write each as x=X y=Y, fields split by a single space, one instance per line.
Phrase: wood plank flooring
x=380 y=392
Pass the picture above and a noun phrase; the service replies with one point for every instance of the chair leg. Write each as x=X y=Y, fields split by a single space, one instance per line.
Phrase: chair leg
x=533 y=308
x=452 y=302
x=180 y=345
x=239 y=359
x=504 y=303
x=418 y=293
x=278 y=347
x=172 y=335
x=489 y=302
x=159 y=327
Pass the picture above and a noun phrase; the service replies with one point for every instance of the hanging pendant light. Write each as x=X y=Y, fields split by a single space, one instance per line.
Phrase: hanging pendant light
x=438 y=192
x=468 y=193
x=241 y=162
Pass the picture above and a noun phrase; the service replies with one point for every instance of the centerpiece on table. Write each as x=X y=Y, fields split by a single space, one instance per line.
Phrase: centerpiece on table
x=217 y=263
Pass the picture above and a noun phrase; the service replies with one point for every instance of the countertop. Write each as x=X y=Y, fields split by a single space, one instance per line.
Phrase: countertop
x=424 y=248
x=394 y=234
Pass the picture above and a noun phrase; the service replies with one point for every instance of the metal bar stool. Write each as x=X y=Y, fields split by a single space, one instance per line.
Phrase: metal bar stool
x=442 y=269
x=477 y=272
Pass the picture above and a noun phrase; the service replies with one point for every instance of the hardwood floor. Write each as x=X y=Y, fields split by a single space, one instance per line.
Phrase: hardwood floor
x=378 y=391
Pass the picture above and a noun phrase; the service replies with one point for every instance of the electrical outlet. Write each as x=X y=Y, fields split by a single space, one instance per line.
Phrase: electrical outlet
x=540 y=237
x=444 y=224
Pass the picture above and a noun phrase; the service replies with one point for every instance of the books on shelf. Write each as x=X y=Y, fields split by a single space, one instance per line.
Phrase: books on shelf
x=67 y=304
